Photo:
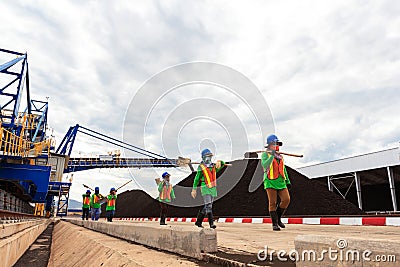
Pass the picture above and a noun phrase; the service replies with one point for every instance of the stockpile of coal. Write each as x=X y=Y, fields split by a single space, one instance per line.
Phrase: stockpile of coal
x=240 y=193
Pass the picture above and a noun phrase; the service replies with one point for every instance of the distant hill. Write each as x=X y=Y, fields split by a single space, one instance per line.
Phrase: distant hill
x=74 y=205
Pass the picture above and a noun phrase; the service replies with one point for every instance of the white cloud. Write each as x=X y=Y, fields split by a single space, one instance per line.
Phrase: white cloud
x=328 y=70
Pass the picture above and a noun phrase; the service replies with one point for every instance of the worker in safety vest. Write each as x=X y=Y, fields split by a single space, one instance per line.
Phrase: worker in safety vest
x=166 y=195
x=95 y=204
x=86 y=205
x=276 y=181
x=207 y=176
x=111 y=201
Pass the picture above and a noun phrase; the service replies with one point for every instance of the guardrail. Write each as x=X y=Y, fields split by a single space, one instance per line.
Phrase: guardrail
x=29 y=121
x=120 y=162
x=14 y=145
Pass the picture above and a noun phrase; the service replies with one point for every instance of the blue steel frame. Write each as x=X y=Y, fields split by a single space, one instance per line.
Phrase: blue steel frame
x=14 y=98
x=33 y=179
x=66 y=145
x=12 y=93
x=40 y=108
x=36 y=178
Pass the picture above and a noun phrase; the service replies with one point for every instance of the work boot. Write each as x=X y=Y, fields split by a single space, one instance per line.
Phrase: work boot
x=162 y=219
x=211 y=221
x=274 y=218
x=280 y=212
x=199 y=220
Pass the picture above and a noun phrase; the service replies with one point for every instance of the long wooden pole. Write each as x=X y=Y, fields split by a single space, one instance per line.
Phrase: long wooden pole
x=123 y=185
x=88 y=187
x=282 y=153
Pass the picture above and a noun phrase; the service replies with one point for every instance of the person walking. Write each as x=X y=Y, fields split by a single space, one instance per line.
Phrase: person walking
x=95 y=204
x=86 y=205
x=166 y=195
x=111 y=202
x=207 y=178
x=276 y=181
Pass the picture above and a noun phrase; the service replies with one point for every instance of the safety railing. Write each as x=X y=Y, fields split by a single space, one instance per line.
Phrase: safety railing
x=14 y=145
x=120 y=162
x=28 y=121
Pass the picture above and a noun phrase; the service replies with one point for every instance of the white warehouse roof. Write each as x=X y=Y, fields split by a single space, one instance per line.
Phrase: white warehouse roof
x=384 y=158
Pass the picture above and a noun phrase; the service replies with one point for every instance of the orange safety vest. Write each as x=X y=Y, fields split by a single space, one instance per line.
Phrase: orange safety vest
x=209 y=175
x=95 y=199
x=275 y=169
x=86 y=200
x=111 y=202
x=166 y=192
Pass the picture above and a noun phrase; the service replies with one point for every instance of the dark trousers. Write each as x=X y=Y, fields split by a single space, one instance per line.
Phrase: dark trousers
x=85 y=213
x=164 y=210
x=110 y=215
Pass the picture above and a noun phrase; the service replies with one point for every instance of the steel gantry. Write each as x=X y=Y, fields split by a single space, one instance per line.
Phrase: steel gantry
x=376 y=168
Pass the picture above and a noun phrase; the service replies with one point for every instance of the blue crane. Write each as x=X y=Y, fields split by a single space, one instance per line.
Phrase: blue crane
x=27 y=158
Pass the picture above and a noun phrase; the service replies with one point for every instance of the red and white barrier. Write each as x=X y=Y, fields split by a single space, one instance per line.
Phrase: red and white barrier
x=378 y=221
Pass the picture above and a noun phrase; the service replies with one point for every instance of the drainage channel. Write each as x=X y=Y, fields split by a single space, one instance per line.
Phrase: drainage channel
x=38 y=253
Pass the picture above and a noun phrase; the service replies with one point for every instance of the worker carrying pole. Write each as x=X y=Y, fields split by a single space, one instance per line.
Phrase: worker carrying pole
x=276 y=181
x=207 y=178
x=95 y=204
x=111 y=203
x=166 y=195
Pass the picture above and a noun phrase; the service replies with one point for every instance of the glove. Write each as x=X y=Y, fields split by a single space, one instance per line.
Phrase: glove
x=193 y=193
x=288 y=186
x=218 y=164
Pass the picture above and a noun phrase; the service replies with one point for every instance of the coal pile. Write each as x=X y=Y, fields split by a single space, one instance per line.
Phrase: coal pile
x=240 y=193
x=135 y=203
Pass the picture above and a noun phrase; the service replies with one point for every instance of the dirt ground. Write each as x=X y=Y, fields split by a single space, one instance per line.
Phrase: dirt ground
x=38 y=253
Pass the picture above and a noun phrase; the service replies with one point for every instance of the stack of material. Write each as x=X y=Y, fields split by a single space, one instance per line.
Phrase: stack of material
x=240 y=193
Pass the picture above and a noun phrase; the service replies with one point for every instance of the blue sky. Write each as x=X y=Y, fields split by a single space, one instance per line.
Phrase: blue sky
x=328 y=70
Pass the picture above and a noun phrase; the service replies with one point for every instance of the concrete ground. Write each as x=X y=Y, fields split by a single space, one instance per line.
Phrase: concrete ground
x=253 y=237
x=242 y=242
x=76 y=246
x=237 y=242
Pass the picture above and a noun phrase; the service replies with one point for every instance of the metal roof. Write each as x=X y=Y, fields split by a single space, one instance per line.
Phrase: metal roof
x=380 y=159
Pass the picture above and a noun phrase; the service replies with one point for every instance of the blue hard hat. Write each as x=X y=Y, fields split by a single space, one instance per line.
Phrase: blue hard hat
x=96 y=189
x=206 y=152
x=88 y=192
x=165 y=174
x=273 y=139
x=112 y=189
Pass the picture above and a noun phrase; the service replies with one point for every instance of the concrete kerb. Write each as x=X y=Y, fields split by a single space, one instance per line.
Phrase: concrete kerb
x=184 y=240
x=334 y=251
x=14 y=246
x=7 y=230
